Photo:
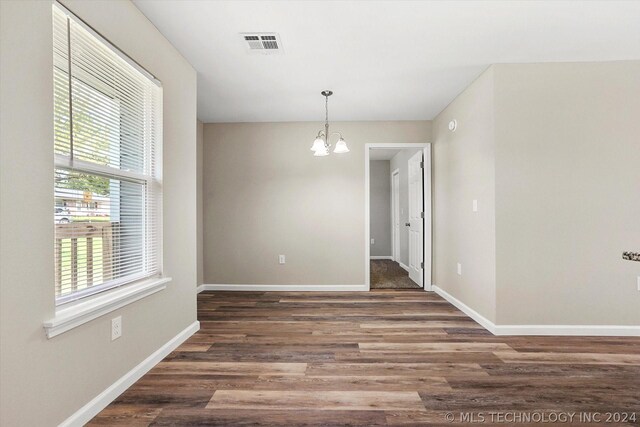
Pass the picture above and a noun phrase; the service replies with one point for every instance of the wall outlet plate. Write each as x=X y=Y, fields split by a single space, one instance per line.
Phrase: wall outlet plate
x=475 y=206
x=459 y=269
x=116 y=328
x=373 y=241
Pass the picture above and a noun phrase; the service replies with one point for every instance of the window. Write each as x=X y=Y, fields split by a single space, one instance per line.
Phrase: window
x=107 y=184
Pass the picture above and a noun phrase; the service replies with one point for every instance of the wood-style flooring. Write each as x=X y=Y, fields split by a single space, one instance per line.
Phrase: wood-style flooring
x=372 y=359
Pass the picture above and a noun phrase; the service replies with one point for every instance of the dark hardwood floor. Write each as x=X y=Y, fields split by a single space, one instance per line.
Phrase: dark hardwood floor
x=394 y=357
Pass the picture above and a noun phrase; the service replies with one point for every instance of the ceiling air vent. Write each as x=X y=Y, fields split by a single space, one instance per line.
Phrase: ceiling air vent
x=265 y=43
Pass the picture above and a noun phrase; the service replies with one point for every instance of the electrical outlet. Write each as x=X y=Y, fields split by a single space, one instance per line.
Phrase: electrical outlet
x=459 y=269
x=281 y=259
x=475 y=206
x=116 y=328
x=373 y=241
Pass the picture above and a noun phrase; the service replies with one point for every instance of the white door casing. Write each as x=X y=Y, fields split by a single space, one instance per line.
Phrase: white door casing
x=395 y=215
x=415 y=220
x=427 y=198
x=426 y=148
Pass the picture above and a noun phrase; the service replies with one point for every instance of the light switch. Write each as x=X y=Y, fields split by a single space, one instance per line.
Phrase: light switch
x=281 y=259
x=459 y=269
x=373 y=241
x=475 y=206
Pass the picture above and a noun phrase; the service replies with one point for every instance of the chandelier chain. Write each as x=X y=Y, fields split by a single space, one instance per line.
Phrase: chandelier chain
x=326 y=121
x=326 y=109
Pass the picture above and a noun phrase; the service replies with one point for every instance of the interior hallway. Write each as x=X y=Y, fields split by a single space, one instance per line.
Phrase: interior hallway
x=368 y=359
x=387 y=274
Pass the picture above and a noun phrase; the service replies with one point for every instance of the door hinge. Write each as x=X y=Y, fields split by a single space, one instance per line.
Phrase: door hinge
x=422 y=265
x=421 y=165
x=421 y=214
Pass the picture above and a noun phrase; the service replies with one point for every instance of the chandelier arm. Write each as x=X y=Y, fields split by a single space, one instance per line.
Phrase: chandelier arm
x=327 y=136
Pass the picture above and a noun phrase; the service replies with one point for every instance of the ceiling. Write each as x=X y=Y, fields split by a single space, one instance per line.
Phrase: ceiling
x=389 y=60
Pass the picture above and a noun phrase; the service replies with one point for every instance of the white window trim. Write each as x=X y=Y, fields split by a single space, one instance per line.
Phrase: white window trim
x=75 y=312
x=72 y=315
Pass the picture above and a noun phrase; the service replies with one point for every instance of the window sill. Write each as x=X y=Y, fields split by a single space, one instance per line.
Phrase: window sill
x=74 y=315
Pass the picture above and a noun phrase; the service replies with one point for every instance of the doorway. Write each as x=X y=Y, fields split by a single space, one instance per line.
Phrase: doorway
x=398 y=216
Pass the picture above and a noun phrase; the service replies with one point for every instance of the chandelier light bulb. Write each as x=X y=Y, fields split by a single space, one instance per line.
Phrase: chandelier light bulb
x=318 y=144
x=341 y=147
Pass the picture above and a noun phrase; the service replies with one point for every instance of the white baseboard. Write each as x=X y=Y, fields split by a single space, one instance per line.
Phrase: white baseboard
x=200 y=289
x=381 y=257
x=569 y=330
x=286 y=288
x=98 y=403
x=559 y=330
x=483 y=321
x=403 y=266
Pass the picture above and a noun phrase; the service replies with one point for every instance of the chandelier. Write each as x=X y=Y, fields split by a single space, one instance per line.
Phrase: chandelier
x=321 y=144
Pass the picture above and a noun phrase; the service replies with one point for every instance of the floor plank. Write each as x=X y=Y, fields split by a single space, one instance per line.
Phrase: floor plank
x=261 y=418
x=228 y=368
x=343 y=400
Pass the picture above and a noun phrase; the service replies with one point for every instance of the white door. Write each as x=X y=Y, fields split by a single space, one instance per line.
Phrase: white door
x=416 y=221
x=395 y=215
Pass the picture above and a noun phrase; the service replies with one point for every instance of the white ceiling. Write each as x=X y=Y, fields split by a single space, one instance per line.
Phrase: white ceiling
x=390 y=60
x=383 y=153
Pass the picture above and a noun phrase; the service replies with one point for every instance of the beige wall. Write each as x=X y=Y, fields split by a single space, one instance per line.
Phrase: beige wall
x=380 y=207
x=567 y=193
x=401 y=162
x=265 y=194
x=463 y=170
x=552 y=153
x=45 y=381
x=199 y=171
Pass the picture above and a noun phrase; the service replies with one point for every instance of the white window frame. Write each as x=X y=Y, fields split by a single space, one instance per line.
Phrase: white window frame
x=110 y=296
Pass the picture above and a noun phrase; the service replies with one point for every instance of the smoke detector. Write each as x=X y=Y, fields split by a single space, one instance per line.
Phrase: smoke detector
x=264 y=43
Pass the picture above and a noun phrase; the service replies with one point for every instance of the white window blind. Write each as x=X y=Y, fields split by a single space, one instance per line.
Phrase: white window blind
x=107 y=182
